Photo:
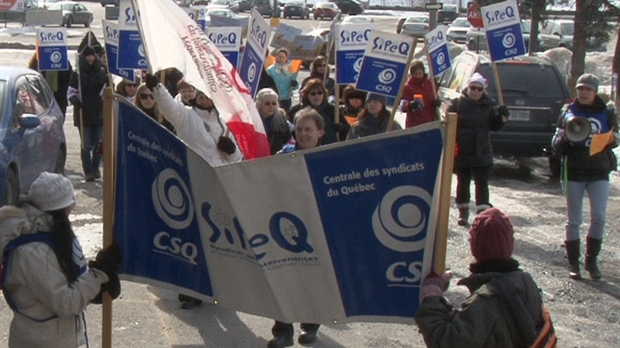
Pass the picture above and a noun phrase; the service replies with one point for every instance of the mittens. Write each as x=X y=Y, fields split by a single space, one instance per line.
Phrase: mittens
x=226 y=145
x=434 y=285
x=151 y=81
x=75 y=101
x=436 y=103
x=503 y=110
x=108 y=260
x=113 y=287
x=416 y=105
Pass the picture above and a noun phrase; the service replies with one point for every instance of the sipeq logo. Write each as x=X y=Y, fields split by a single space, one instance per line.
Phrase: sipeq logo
x=51 y=37
x=111 y=33
x=130 y=17
x=220 y=39
x=435 y=39
x=397 y=221
x=354 y=36
x=389 y=46
x=258 y=34
x=501 y=15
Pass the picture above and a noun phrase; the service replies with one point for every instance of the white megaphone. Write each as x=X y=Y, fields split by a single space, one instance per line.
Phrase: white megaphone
x=577 y=128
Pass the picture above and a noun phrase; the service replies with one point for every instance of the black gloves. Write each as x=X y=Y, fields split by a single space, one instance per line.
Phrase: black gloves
x=113 y=287
x=337 y=127
x=226 y=145
x=416 y=104
x=108 y=260
x=151 y=81
x=75 y=101
x=503 y=110
x=436 y=103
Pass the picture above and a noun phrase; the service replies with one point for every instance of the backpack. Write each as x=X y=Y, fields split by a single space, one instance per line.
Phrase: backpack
x=546 y=337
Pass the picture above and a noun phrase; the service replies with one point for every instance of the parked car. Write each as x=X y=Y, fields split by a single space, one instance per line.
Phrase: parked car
x=32 y=137
x=349 y=6
x=457 y=31
x=447 y=14
x=357 y=19
x=324 y=10
x=227 y=4
x=103 y=2
x=559 y=33
x=534 y=91
x=477 y=40
x=296 y=9
x=416 y=26
x=73 y=13
x=219 y=12
x=245 y=5
x=265 y=8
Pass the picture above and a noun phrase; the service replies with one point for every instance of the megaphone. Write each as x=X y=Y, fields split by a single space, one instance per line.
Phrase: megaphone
x=577 y=128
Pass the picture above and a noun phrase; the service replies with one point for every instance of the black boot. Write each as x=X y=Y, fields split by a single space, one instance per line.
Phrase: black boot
x=573 y=253
x=463 y=216
x=593 y=248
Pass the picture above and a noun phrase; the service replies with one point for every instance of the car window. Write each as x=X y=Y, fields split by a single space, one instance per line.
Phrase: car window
x=568 y=29
x=23 y=102
x=525 y=80
x=40 y=100
x=417 y=20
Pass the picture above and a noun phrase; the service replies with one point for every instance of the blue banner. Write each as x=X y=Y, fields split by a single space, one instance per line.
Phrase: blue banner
x=52 y=49
x=351 y=42
x=502 y=24
x=437 y=43
x=131 y=53
x=110 y=31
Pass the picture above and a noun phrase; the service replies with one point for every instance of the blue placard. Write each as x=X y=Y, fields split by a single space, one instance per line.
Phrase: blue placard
x=202 y=17
x=227 y=40
x=250 y=69
x=440 y=60
x=52 y=49
x=437 y=43
x=381 y=76
x=112 y=54
x=506 y=42
x=348 y=66
x=502 y=24
x=351 y=41
x=131 y=53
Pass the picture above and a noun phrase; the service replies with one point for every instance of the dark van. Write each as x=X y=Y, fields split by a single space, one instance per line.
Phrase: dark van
x=534 y=91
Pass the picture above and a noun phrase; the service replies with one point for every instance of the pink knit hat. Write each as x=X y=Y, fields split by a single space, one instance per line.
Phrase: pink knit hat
x=491 y=236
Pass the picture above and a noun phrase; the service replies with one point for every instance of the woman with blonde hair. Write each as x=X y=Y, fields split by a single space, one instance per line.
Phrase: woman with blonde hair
x=277 y=127
x=146 y=102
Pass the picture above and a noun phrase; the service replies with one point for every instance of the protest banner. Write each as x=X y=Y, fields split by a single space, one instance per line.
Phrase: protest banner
x=438 y=55
x=201 y=18
x=110 y=37
x=502 y=25
x=307 y=47
x=227 y=40
x=210 y=231
x=52 y=49
x=284 y=36
x=131 y=53
x=351 y=41
x=254 y=52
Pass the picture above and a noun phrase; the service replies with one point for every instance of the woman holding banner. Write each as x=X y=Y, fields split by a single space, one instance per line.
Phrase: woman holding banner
x=418 y=99
x=284 y=78
x=477 y=116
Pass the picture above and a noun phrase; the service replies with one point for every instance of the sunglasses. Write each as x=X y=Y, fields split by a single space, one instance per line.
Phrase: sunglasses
x=145 y=96
x=476 y=88
x=316 y=93
x=270 y=103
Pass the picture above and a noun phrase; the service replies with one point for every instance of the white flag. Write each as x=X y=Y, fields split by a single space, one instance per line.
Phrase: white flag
x=172 y=39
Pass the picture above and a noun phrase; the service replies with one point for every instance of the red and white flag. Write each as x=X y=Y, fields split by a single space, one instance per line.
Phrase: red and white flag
x=172 y=39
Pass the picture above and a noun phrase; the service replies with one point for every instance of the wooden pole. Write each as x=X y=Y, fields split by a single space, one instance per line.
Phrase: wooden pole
x=443 y=216
x=400 y=88
x=431 y=73
x=500 y=96
x=109 y=183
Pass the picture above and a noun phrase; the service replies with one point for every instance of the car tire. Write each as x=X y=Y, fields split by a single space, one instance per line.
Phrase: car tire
x=59 y=167
x=555 y=166
x=69 y=22
x=11 y=188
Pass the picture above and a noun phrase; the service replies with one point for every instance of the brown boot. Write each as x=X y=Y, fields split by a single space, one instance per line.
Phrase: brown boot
x=463 y=216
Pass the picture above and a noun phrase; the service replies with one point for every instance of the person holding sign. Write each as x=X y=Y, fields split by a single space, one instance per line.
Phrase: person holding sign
x=585 y=170
x=85 y=94
x=477 y=116
x=47 y=282
x=505 y=308
x=285 y=79
x=374 y=119
x=418 y=97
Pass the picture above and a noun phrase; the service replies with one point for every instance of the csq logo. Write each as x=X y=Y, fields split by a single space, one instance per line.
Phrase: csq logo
x=398 y=221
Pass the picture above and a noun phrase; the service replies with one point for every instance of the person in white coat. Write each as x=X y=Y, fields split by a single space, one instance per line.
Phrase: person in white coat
x=200 y=126
x=45 y=280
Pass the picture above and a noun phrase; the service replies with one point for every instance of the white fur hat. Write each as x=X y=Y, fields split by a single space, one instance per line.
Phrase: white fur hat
x=51 y=192
x=477 y=78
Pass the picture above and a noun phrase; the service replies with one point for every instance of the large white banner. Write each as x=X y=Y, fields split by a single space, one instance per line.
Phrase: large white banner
x=343 y=232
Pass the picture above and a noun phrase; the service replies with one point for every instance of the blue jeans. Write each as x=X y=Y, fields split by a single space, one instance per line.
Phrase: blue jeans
x=90 y=148
x=598 y=194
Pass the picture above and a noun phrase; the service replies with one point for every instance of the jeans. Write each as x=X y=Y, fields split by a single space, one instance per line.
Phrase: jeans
x=598 y=194
x=286 y=329
x=90 y=148
x=481 y=180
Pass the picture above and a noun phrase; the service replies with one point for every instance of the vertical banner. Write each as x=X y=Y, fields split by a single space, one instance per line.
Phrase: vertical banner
x=351 y=42
x=503 y=30
x=284 y=36
x=52 y=49
x=227 y=40
x=110 y=37
x=201 y=19
x=385 y=63
x=131 y=53
x=254 y=52
x=437 y=43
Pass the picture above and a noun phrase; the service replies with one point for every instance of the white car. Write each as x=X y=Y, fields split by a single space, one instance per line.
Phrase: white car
x=357 y=19
x=457 y=31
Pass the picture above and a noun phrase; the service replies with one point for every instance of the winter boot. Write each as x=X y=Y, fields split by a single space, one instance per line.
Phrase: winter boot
x=463 y=216
x=593 y=248
x=573 y=253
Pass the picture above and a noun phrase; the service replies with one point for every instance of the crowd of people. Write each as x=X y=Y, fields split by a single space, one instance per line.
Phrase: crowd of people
x=494 y=315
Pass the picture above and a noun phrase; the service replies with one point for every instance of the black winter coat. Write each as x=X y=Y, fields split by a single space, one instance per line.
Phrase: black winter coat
x=476 y=118
x=93 y=79
x=328 y=112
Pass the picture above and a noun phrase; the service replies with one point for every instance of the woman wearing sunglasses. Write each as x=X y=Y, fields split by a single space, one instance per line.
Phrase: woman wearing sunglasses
x=314 y=94
x=277 y=127
x=477 y=116
x=146 y=102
